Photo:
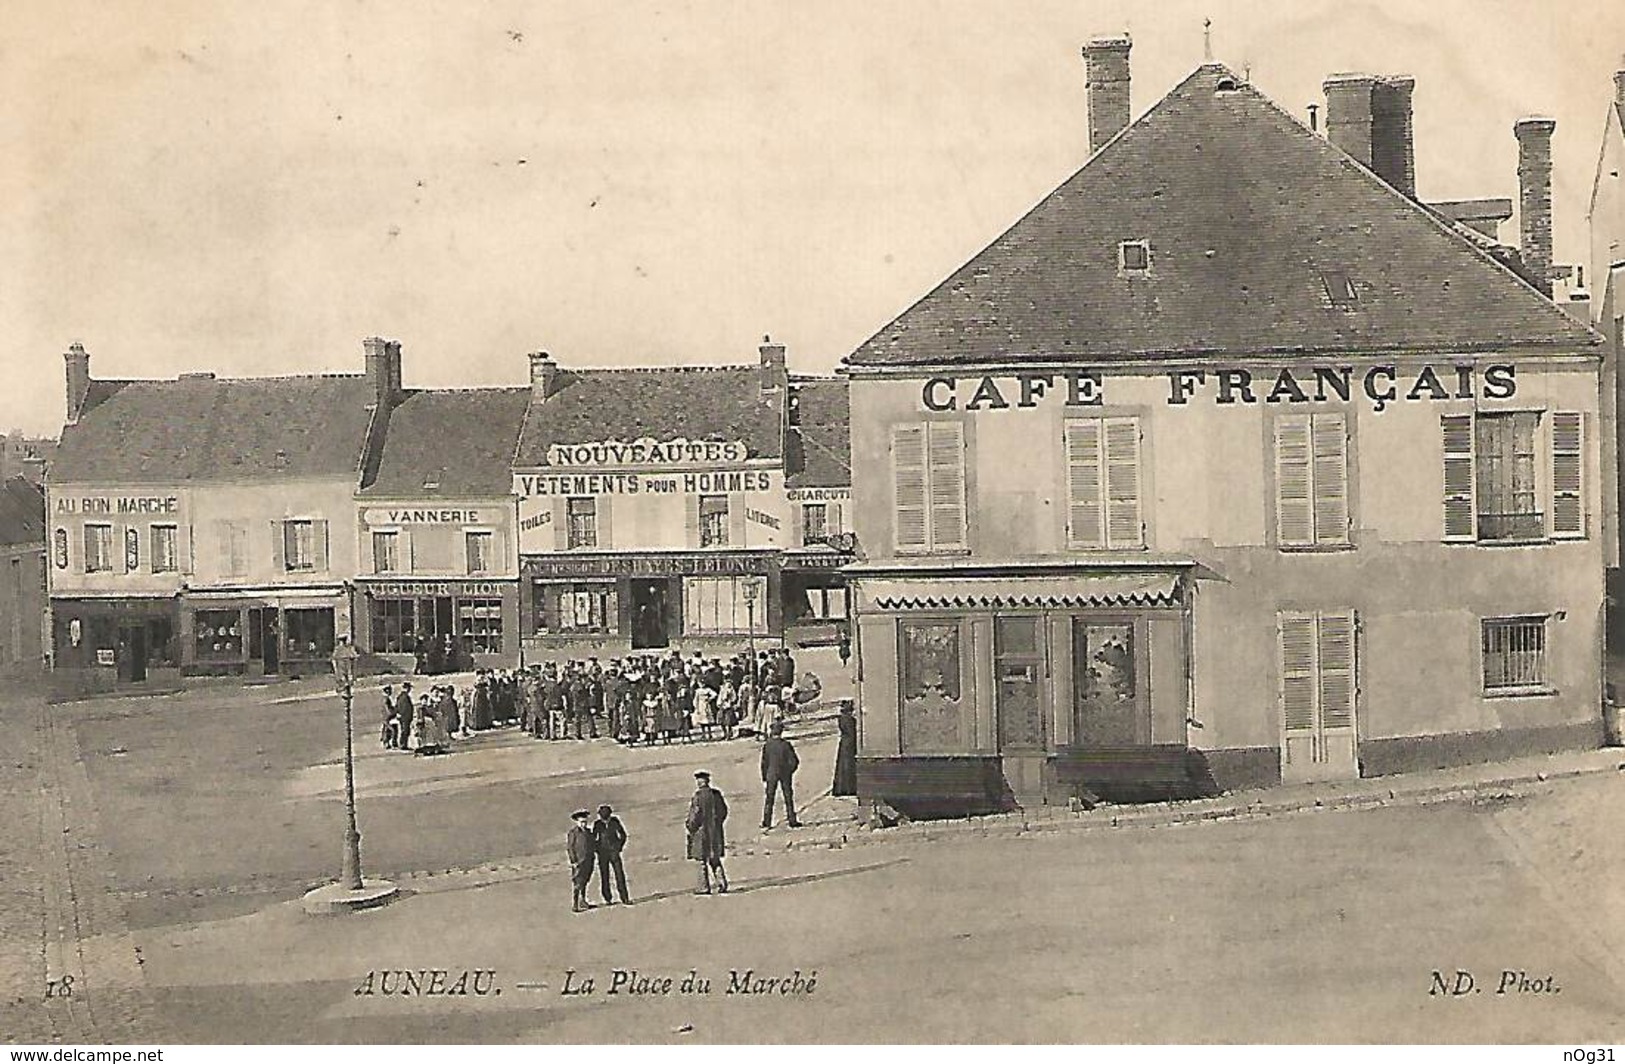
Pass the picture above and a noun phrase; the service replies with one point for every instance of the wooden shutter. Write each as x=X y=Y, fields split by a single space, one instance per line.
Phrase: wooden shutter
x=1294 y=517
x=798 y=523
x=404 y=560
x=319 y=536
x=1085 y=499
x=1335 y=661
x=602 y=508
x=185 y=556
x=909 y=531
x=945 y=461
x=1568 y=463
x=1329 y=440
x=691 y=521
x=561 y=523
x=279 y=546
x=738 y=534
x=1459 y=503
x=832 y=519
x=1123 y=526
x=1298 y=687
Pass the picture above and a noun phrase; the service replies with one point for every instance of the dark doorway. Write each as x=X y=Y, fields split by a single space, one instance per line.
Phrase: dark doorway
x=649 y=614
x=132 y=653
x=264 y=639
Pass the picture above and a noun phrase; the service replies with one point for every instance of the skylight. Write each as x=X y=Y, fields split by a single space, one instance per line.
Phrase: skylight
x=1340 y=289
x=1134 y=256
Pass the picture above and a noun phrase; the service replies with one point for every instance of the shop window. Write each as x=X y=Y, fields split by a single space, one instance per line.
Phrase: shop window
x=394 y=626
x=929 y=686
x=161 y=649
x=386 y=552
x=481 y=551
x=165 y=553
x=582 y=515
x=1495 y=483
x=724 y=605
x=814 y=523
x=713 y=520
x=479 y=624
x=577 y=608
x=1514 y=654
x=1311 y=480
x=826 y=603
x=98 y=548
x=299 y=545
x=218 y=635
x=308 y=633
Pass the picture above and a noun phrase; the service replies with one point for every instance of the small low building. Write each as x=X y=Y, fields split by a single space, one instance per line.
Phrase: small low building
x=22 y=576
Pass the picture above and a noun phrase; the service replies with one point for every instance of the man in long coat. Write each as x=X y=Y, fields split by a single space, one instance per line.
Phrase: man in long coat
x=706 y=840
x=583 y=853
x=779 y=764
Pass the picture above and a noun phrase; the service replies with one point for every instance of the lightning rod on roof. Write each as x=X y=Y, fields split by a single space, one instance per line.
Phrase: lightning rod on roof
x=1207 y=40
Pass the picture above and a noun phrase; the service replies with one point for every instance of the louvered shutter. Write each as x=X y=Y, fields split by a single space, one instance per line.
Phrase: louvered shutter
x=832 y=519
x=1294 y=517
x=798 y=523
x=946 y=481
x=1335 y=653
x=1085 y=504
x=908 y=487
x=737 y=532
x=319 y=535
x=1568 y=500
x=1459 y=502
x=1329 y=438
x=691 y=521
x=185 y=552
x=222 y=537
x=1298 y=686
x=603 y=509
x=561 y=523
x=1123 y=527
x=405 y=560
x=279 y=547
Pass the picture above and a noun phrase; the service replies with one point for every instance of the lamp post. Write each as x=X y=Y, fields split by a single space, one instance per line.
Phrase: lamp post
x=751 y=590
x=351 y=892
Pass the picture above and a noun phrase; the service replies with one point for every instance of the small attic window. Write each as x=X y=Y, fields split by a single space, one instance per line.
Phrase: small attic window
x=1340 y=289
x=1226 y=85
x=1134 y=256
x=279 y=460
x=431 y=482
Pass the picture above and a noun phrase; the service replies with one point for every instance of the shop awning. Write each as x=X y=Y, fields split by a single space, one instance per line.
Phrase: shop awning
x=1017 y=592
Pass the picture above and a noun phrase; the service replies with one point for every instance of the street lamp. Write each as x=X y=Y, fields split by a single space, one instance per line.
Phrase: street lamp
x=751 y=590
x=351 y=891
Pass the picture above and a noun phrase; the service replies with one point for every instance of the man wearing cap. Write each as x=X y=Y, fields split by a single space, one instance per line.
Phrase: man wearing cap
x=579 y=845
x=609 y=836
x=706 y=840
x=779 y=764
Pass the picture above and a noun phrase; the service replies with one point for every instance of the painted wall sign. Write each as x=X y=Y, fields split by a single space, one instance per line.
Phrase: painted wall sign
x=427 y=516
x=1379 y=385
x=132 y=550
x=819 y=494
x=648 y=565
x=720 y=482
x=646 y=452
x=117 y=504
x=760 y=518
x=441 y=588
x=59 y=548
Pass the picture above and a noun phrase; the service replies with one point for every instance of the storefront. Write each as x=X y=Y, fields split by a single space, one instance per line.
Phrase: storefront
x=262 y=633
x=814 y=591
x=475 y=623
x=1023 y=686
x=101 y=644
x=619 y=603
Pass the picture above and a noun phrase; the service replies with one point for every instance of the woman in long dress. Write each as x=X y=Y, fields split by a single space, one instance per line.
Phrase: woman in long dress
x=846 y=754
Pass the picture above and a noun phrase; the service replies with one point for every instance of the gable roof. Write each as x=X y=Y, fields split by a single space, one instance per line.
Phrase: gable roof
x=461 y=440
x=201 y=428
x=22 y=513
x=688 y=402
x=818 y=447
x=1244 y=210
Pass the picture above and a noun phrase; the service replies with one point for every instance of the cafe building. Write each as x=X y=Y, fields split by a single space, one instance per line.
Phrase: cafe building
x=206 y=526
x=436 y=524
x=651 y=507
x=1229 y=463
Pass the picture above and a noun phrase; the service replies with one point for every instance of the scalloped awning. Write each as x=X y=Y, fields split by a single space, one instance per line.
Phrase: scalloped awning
x=1038 y=592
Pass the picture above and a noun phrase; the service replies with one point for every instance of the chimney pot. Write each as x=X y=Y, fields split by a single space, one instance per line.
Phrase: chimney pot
x=78 y=379
x=1535 y=197
x=1106 y=67
x=544 y=376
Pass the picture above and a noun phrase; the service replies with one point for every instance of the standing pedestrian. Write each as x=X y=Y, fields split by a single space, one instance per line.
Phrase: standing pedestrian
x=403 y=717
x=706 y=839
x=779 y=764
x=846 y=754
x=387 y=736
x=609 y=837
x=579 y=846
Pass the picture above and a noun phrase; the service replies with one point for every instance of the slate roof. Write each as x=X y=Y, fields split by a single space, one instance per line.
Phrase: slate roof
x=818 y=448
x=459 y=439
x=22 y=513
x=1244 y=209
x=691 y=402
x=203 y=429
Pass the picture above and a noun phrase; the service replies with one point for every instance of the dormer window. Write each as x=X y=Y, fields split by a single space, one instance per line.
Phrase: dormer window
x=1134 y=256
x=1340 y=289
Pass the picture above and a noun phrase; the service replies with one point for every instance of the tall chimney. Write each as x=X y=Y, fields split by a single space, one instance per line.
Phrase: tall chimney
x=775 y=370
x=1393 y=141
x=544 y=376
x=376 y=350
x=1105 y=62
x=1349 y=115
x=1535 y=198
x=392 y=353
x=1619 y=89
x=78 y=366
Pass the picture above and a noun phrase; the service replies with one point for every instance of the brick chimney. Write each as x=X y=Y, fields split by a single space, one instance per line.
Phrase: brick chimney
x=775 y=369
x=1535 y=198
x=392 y=352
x=1105 y=61
x=544 y=376
x=1348 y=114
x=380 y=374
x=1619 y=89
x=78 y=367
x=1393 y=140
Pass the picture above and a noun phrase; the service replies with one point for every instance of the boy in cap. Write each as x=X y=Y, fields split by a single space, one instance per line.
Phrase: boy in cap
x=609 y=838
x=579 y=845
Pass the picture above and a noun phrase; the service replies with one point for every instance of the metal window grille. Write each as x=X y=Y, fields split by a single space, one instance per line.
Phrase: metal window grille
x=1514 y=653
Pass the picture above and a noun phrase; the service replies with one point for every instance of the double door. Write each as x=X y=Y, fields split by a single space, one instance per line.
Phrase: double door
x=265 y=639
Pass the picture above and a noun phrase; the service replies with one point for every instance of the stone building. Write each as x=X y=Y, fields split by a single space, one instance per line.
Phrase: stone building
x=22 y=576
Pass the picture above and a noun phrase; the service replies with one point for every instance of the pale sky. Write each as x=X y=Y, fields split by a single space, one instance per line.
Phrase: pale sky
x=253 y=187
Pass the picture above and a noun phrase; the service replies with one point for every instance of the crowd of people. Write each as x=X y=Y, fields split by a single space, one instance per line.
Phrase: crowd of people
x=639 y=700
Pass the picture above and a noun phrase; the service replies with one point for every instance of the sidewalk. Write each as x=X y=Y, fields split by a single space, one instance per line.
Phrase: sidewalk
x=835 y=822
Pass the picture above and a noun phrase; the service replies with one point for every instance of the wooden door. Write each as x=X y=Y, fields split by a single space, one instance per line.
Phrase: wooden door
x=1318 y=676
x=1021 y=703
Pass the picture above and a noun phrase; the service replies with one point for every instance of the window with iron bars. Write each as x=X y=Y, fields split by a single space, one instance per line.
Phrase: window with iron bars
x=1514 y=653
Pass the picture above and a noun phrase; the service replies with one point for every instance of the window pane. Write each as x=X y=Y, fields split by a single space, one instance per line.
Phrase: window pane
x=930 y=687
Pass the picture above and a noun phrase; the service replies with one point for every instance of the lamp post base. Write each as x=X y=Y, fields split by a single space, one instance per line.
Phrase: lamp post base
x=337 y=898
